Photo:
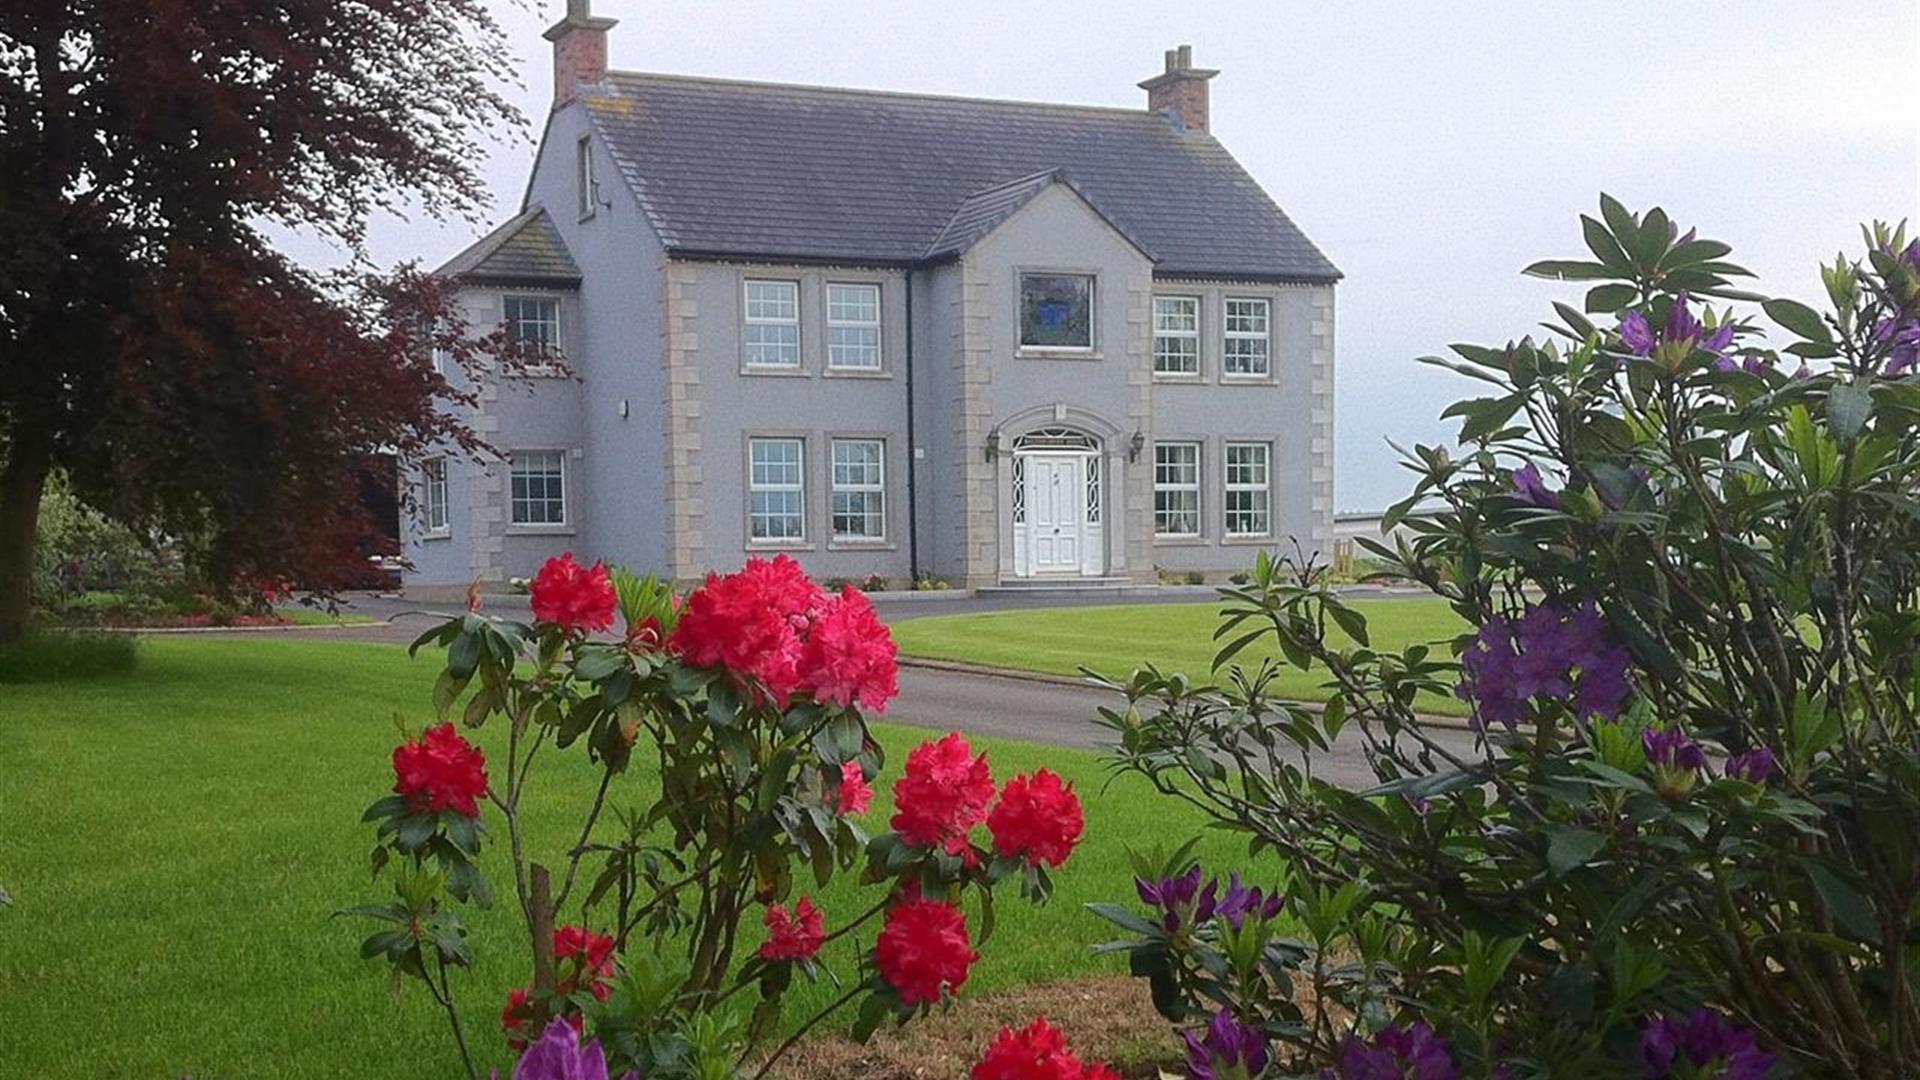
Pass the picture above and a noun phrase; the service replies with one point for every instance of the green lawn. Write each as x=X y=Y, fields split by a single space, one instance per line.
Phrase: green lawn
x=175 y=838
x=1116 y=639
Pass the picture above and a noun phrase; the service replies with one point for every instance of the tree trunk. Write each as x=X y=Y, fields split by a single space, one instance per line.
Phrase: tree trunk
x=22 y=480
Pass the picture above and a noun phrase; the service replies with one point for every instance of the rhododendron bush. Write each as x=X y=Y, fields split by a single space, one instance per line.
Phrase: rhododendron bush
x=664 y=937
x=1684 y=531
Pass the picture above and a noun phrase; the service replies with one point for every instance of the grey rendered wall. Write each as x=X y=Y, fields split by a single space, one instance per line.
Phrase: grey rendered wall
x=622 y=461
x=811 y=403
x=1293 y=410
x=1014 y=391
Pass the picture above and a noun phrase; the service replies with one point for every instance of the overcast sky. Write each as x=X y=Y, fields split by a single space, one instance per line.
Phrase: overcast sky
x=1430 y=149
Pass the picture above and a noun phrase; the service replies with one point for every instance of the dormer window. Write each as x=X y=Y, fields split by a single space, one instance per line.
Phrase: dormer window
x=1056 y=311
x=588 y=193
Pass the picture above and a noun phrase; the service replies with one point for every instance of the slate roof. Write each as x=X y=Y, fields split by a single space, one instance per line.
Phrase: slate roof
x=729 y=169
x=525 y=250
x=983 y=211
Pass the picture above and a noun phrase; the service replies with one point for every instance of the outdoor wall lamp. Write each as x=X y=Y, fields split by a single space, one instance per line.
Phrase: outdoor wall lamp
x=993 y=444
x=1135 y=445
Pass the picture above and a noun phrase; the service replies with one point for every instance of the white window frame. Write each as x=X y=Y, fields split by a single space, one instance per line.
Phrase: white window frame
x=1257 y=494
x=514 y=323
x=838 y=323
x=1263 y=336
x=1164 y=332
x=874 y=491
x=587 y=189
x=751 y=321
x=519 y=462
x=1163 y=486
x=796 y=488
x=433 y=497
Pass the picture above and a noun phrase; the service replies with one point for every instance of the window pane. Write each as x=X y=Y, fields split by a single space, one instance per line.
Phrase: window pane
x=533 y=321
x=1176 y=489
x=853 y=303
x=434 y=474
x=1247 y=494
x=1246 y=337
x=537 y=488
x=1056 y=311
x=776 y=481
x=859 y=489
x=779 y=300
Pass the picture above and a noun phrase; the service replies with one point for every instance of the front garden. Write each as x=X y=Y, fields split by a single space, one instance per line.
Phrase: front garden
x=1687 y=565
x=176 y=838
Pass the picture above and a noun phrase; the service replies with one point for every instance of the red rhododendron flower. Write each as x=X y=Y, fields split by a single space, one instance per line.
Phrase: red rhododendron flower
x=849 y=655
x=854 y=794
x=1036 y=1052
x=645 y=637
x=517 y=1019
x=583 y=958
x=573 y=597
x=753 y=623
x=1038 y=818
x=795 y=935
x=943 y=795
x=440 y=771
x=924 y=950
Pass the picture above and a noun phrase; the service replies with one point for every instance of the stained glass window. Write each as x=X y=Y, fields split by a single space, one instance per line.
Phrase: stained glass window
x=1056 y=311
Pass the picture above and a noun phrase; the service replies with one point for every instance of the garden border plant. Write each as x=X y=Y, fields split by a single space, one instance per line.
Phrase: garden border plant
x=1688 y=843
x=748 y=696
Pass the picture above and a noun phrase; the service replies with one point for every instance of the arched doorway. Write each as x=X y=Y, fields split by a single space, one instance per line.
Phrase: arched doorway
x=1059 y=503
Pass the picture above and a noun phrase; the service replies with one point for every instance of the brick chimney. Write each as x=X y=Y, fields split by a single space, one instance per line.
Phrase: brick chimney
x=579 y=50
x=1180 y=92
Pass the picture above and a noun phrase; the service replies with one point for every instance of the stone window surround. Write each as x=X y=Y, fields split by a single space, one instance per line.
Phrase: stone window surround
x=444 y=530
x=812 y=282
x=1213 y=294
x=884 y=542
x=1264 y=539
x=570 y=501
x=1095 y=304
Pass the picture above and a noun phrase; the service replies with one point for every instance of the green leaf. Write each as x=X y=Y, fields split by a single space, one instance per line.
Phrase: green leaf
x=1851 y=909
x=1655 y=234
x=1569 y=849
x=1798 y=318
x=1607 y=299
x=1605 y=247
x=1848 y=406
x=1625 y=228
x=1124 y=919
x=1568 y=270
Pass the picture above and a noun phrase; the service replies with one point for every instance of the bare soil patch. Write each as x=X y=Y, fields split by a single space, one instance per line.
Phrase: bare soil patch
x=1105 y=1019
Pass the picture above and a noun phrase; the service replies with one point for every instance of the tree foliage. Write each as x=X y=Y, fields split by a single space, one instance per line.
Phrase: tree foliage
x=153 y=346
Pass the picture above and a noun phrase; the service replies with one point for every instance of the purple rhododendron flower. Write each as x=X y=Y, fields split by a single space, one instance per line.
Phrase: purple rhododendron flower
x=1704 y=1040
x=1410 y=1053
x=1230 y=1050
x=1904 y=339
x=1549 y=653
x=1672 y=749
x=1183 y=901
x=1638 y=334
x=1754 y=766
x=559 y=1056
x=1530 y=488
x=1682 y=330
x=1178 y=897
x=1240 y=902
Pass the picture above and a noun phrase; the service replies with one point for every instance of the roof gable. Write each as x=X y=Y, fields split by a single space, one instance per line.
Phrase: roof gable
x=526 y=250
x=727 y=169
x=986 y=210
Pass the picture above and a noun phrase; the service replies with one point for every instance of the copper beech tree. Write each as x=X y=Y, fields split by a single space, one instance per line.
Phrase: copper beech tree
x=153 y=346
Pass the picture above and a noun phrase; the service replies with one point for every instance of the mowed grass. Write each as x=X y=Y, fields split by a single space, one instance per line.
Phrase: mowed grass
x=1115 y=639
x=176 y=838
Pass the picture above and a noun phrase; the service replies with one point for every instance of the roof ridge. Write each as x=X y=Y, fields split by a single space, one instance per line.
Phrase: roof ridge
x=921 y=95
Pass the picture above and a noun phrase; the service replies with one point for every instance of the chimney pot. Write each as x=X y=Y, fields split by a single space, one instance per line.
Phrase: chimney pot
x=579 y=50
x=1180 y=92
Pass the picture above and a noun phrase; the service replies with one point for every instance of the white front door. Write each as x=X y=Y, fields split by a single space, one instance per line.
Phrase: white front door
x=1056 y=512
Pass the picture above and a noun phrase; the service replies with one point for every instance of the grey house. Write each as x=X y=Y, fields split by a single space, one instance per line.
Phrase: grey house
x=991 y=342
